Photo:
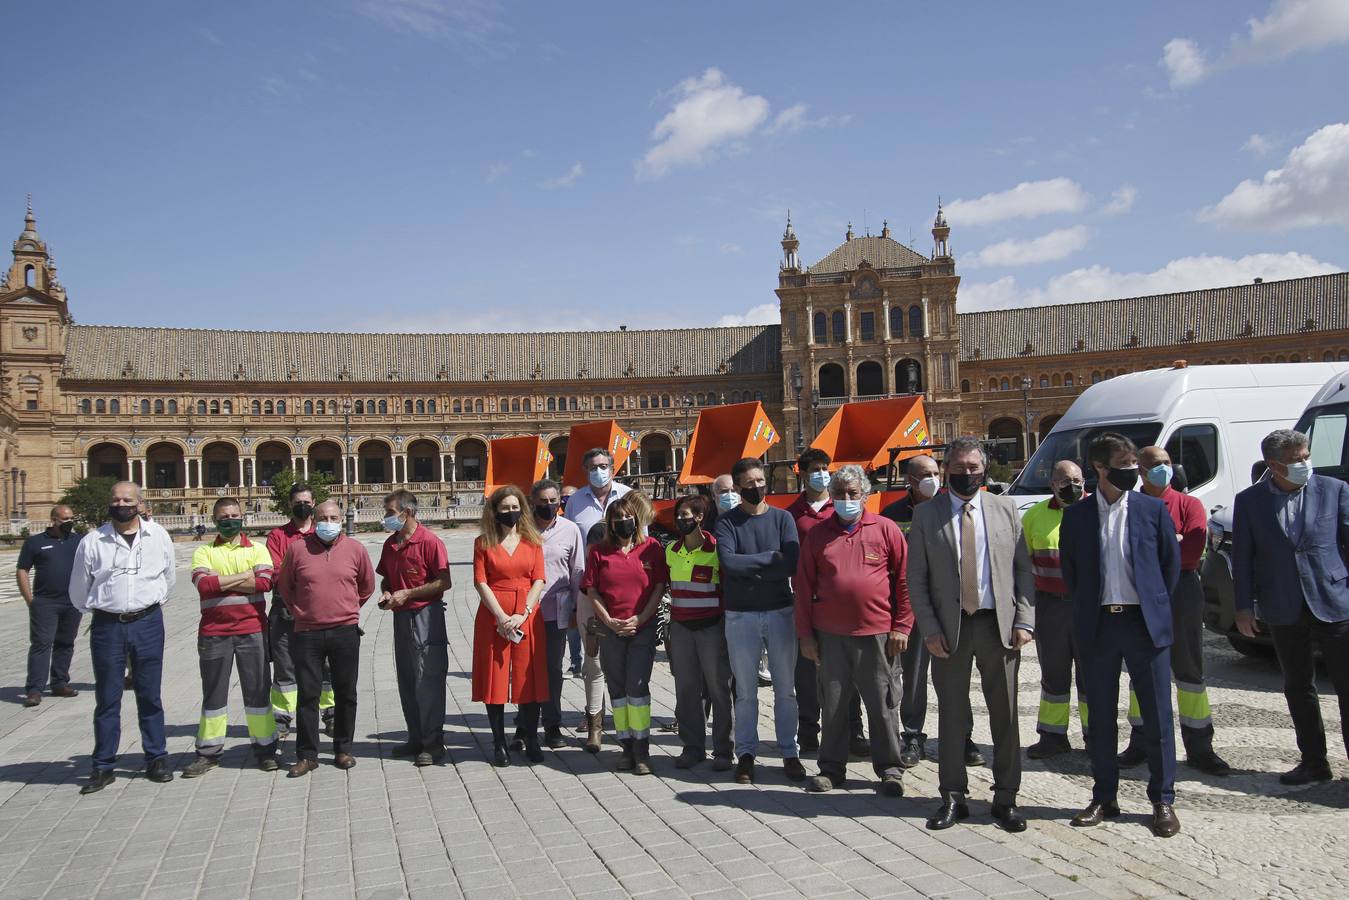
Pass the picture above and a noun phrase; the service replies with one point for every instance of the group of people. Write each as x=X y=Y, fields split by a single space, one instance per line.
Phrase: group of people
x=851 y=609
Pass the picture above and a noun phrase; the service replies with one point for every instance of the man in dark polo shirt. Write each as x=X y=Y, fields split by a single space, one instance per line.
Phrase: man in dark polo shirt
x=53 y=622
x=416 y=575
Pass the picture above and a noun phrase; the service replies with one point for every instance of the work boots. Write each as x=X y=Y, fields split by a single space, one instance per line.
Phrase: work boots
x=641 y=751
x=595 y=734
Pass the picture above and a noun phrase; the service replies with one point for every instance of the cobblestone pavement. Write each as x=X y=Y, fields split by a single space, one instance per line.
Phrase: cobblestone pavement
x=572 y=826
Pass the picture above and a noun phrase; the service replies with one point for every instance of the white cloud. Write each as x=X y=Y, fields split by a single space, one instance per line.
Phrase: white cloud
x=1025 y=201
x=1312 y=188
x=795 y=118
x=1045 y=248
x=567 y=180
x=495 y=171
x=1102 y=283
x=1184 y=62
x=475 y=23
x=1290 y=27
x=763 y=314
x=731 y=248
x=1259 y=144
x=709 y=114
x=1121 y=201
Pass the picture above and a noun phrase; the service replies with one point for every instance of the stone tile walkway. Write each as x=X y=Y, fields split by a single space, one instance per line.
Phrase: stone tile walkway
x=571 y=826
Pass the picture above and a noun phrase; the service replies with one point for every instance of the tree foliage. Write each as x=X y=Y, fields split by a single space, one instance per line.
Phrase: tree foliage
x=318 y=482
x=88 y=497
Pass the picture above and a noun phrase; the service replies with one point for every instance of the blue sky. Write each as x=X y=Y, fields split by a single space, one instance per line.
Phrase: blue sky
x=462 y=165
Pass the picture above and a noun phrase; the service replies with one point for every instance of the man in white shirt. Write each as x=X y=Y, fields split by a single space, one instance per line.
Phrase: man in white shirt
x=123 y=573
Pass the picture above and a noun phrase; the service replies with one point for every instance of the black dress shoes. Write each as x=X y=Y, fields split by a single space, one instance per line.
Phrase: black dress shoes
x=1164 y=821
x=1209 y=763
x=98 y=781
x=160 y=772
x=912 y=753
x=974 y=758
x=951 y=812
x=402 y=751
x=1009 y=817
x=1307 y=773
x=1095 y=814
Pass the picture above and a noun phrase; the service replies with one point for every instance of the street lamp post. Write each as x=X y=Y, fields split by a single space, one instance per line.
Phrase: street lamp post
x=797 y=382
x=815 y=410
x=1025 y=396
x=346 y=475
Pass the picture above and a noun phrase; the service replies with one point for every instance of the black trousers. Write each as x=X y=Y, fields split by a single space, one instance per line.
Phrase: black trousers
x=808 y=701
x=1293 y=644
x=340 y=648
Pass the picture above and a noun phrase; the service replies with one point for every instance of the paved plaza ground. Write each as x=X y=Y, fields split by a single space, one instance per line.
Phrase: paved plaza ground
x=571 y=826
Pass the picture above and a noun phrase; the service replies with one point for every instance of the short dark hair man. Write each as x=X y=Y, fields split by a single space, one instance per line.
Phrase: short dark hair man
x=1121 y=564
x=53 y=622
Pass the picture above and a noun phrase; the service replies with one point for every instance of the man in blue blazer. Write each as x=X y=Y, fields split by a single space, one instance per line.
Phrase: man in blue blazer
x=1289 y=548
x=1120 y=563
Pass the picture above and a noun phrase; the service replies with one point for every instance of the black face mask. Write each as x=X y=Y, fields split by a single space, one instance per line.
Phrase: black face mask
x=686 y=526
x=66 y=528
x=302 y=511
x=545 y=512
x=508 y=519
x=1124 y=479
x=122 y=514
x=625 y=528
x=964 y=484
x=1069 y=494
x=752 y=495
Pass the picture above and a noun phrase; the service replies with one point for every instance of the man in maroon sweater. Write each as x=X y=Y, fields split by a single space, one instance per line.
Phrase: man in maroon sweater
x=853 y=619
x=326 y=579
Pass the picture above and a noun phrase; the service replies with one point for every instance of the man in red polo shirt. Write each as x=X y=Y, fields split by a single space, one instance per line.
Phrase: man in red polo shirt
x=416 y=576
x=809 y=509
x=853 y=619
x=1187 y=622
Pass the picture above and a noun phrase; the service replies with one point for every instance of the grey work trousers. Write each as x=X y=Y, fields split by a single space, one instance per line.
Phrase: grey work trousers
x=857 y=666
x=421 y=662
x=218 y=656
x=979 y=644
x=1059 y=665
x=913 y=664
x=702 y=667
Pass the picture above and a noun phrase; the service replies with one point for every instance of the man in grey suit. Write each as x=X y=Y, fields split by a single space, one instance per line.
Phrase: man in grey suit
x=971 y=584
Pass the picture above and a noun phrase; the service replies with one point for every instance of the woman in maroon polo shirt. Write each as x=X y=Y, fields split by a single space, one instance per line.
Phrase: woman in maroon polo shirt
x=510 y=663
x=624 y=580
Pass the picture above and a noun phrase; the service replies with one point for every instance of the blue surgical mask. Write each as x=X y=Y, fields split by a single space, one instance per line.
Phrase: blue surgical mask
x=599 y=478
x=848 y=510
x=392 y=523
x=1299 y=472
x=1160 y=475
x=327 y=531
x=818 y=480
x=728 y=501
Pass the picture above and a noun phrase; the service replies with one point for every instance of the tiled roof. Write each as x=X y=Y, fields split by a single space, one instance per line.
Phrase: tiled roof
x=879 y=252
x=101 y=352
x=1315 y=303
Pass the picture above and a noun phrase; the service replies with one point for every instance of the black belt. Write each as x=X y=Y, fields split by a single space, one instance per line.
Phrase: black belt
x=1120 y=608
x=978 y=612
x=124 y=618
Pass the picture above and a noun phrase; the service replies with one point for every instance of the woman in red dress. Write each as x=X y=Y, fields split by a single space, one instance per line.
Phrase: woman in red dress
x=510 y=664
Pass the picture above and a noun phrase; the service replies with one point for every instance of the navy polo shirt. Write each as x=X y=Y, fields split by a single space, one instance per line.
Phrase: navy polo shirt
x=54 y=557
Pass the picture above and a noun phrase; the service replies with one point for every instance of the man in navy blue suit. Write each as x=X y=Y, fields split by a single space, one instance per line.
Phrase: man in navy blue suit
x=1121 y=563
x=1289 y=550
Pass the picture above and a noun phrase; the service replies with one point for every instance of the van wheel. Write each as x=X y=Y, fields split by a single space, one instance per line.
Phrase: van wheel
x=1247 y=647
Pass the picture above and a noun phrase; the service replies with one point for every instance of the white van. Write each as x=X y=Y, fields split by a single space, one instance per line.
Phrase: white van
x=1209 y=418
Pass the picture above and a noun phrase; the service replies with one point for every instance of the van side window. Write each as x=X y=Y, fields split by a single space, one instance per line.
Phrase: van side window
x=1196 y=448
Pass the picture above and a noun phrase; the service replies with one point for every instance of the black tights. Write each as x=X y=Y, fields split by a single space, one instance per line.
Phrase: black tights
x=526 y=722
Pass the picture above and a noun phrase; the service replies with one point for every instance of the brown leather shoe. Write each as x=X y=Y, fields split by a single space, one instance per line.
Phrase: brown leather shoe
x=1164 y=821
x=1095 y=814
x=32 y=698
x=344 y=760
x=302 y=768
x=65 y=690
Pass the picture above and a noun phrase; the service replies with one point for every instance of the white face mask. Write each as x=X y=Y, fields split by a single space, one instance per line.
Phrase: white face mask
x=928 y=486
x=1298 y=472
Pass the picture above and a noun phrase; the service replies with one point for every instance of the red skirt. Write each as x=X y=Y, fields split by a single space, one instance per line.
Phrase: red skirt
x=504 y=671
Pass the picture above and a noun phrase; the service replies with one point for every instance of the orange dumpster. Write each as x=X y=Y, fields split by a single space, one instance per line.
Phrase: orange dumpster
x=724 y=435
x=589 y=435
x=520 y=461
x=862 y=433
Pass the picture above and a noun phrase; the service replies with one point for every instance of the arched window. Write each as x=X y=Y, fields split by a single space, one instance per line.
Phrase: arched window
x=257 y=407
x=360 y=407
x=1057 y=380
x=915 y=321
x=384 y=407
x=550 y=405
x=478 y=406
x=309 y=407
x=145 y=407
x=574 y=403
x=655 y=402
x=817 y=329
x=524 y=404
x=431 y=406
x=1044 y=381
x=456 y=407
x=87 y=406
x=964 y=385
x=830 y=380
x=896 y=322
x=665 y=401
x=608 y=402
x=992 y=384
x=1067 y=379
x=159 y=407
x=758 y=395
x=101 y=407
x=281 y=407
x=332 y=407
x=421 y=406
x=1004 y=385
x=515 y=404
x=1095 y=377
x=115 y=407
x=840 y=326
x=1296 y=357
x=215 y=407
x=1328 y=356
x=642 y=402
x=407 y=407
x=268 y=408
x=735 y=396
x=229 y=407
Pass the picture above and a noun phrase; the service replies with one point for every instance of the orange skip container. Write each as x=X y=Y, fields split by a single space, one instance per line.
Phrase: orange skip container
x=520 y=461
x=588 y=435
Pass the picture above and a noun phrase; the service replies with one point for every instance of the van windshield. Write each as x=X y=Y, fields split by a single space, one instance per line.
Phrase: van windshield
x=1072 y=444
x=1326 y=427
